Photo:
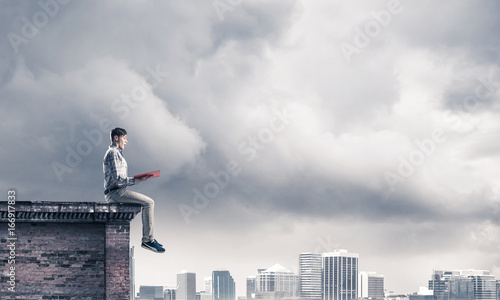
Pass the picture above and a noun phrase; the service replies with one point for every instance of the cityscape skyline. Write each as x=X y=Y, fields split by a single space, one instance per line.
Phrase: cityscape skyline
x=279 y=127
x=444 y=285
x=374 y=283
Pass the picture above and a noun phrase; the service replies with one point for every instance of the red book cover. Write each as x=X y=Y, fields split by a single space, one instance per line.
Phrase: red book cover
x=154 y=173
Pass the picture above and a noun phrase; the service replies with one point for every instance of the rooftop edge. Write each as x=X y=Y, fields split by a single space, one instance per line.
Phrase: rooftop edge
x=68 y=212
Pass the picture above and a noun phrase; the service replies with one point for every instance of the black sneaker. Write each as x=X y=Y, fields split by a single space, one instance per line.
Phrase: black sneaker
x=153 y=246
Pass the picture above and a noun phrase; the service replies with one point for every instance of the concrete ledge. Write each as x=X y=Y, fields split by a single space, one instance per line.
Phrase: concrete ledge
x=70 y=212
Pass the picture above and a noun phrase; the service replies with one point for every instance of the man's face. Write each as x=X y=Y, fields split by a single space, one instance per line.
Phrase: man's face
x=122 y=142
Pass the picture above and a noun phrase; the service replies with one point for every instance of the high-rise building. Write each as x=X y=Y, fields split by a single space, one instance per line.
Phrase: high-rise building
x=208 y=284
x=310 y=265
x=439 y=284
x=147 y=292
x=448 y=285
x=186 y=286
x=169 y=293
x=485 y=286
x=340 y=275
x=277 y=281
x=132 y=273
x=223 y=287
x=251 y=287
x=463 y=285
x=498 y=289
x=371 y=286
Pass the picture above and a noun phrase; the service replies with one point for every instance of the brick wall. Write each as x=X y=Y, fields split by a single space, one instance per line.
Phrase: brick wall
x=67 y=251
x=117 y=253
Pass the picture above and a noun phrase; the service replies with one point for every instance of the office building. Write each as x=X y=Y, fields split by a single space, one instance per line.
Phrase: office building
x=310 y=265
x=223 y=286
x=169 y=293
x=147 y=292
x=340 y=275
x=251 y=287
x=370 y=286
x=448 y=285
x=277 y=282
x=186 y=286
x=485 y=287
x=463 y=285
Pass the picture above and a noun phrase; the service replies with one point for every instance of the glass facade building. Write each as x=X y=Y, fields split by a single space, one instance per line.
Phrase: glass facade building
x=371 y=286
x=310 y=268
x=463 y=285
x=340 y=275
x=223 y=287
x=485 y=287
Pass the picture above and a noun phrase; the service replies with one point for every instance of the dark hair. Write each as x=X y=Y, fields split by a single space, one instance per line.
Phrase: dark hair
x=117 y=132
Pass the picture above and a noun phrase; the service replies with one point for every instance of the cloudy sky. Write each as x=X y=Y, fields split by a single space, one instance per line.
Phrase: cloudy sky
x=279 y=127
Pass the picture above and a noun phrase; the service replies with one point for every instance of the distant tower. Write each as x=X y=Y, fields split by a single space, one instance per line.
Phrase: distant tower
x=498 y=289
x=251 y=288
x=310 y=276
x=132 y=274
x=208 y=285
x=223 y=287
x=340 y=275
x=186 y=283
x=371 y=286
x=169 y=293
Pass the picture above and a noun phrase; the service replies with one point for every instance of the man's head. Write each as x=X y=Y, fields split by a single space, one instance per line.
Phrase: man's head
x=119 y=137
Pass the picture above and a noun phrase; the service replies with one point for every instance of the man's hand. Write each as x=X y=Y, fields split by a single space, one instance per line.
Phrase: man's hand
x=144 y=178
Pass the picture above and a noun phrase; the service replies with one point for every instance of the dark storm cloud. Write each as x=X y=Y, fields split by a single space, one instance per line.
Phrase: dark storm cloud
x=474 y=91
x=468 y=26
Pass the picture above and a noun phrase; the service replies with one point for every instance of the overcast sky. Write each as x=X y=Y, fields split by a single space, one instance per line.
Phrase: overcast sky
x=279 y=127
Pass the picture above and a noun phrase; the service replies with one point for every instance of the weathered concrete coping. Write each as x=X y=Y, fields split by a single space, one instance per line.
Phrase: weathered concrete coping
x=69 y=212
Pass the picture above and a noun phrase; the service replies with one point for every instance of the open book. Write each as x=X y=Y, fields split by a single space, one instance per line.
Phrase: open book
x=154 y=174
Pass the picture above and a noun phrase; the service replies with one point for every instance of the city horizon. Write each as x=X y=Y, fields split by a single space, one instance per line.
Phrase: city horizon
x=295 y=271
